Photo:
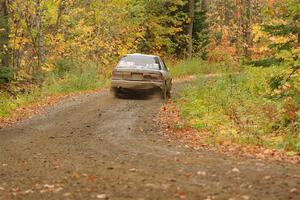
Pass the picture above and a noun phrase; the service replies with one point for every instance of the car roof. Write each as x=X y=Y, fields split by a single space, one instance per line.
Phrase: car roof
x=140 y=54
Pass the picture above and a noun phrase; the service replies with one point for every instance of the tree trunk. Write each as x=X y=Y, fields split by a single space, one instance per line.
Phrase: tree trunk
x=239 y=22
x=4 y=33
x=60 y=11
x=203 y=5
x=40 y=40
x=247 y=28
x=190 y=27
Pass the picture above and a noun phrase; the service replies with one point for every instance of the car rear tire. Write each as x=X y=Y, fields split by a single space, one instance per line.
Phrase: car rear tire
x=115 y=92
x=169 y=94
x=165 y=94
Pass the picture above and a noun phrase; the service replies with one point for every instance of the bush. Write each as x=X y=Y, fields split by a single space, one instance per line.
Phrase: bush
x=63 y=66
x=83 y=76
x=6 y=75
x=9 y=103
x=267 y=62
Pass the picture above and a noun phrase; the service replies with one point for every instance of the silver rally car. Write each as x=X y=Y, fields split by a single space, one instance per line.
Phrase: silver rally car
x=141 y=72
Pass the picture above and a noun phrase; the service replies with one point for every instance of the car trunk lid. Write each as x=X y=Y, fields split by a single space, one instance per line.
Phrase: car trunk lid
x=137 y=75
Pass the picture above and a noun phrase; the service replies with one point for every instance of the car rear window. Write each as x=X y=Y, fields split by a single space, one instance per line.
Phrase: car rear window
x=140 y=62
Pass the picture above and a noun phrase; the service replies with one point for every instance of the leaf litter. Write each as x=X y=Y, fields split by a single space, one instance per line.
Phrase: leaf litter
x=174 y=127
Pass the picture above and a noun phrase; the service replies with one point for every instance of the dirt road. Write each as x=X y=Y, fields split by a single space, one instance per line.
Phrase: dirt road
x=98 y=147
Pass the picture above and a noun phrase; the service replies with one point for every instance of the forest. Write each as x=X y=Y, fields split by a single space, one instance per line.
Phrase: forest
x=53 y=47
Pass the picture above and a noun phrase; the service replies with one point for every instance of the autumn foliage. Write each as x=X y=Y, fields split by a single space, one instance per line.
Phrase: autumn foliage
x=56 y=47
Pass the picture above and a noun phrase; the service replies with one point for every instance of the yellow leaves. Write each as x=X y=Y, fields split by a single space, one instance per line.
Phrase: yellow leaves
x=258 y=33
x=279 y=39
x=48 y=66
x=261 y=40
x=262 y=49
x=18 y=42
x=290 y=56
x=59 y=37
x=297 y=83
x=173 y=8
x=104 y=60
x=285 y=55
x=51 y=10
x=82 y=29
x=100 y=30
x=296 y=52
x=139 y=34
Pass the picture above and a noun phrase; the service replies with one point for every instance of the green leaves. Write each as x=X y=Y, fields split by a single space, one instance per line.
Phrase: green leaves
x=6 y=74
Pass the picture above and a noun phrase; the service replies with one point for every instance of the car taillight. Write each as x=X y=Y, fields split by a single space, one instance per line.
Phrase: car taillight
x=117 y=75
x=153 y=76
x=159 y=77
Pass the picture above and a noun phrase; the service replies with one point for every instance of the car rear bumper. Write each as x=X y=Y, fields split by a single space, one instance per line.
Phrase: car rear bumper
x=136 y=84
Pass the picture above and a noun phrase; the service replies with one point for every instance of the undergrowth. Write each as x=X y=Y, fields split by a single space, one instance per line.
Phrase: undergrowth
x=239 y=109
x=196 y=66
x=68 y=78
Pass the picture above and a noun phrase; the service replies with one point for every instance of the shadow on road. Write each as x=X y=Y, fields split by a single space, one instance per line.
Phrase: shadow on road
x=139 y=94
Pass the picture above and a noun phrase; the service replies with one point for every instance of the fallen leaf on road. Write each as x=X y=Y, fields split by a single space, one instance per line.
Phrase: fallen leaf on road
x=132 y=170
x=181 y=195
x=201 y=173
x=76 y=176
x=101 y=196
x=245 y=197
x=188 y=175
x=58 y=190
x=67 y=194
x=28 y=191
x=172 y=179
x=294 y=190
x=48 y=186
x=151 y=185
x=235 y=170
x=165 y=186
x=91 y=178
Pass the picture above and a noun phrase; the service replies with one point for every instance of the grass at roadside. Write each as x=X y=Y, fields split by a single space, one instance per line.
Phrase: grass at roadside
x=66 y=80
x=196 y=67
x=237 y=108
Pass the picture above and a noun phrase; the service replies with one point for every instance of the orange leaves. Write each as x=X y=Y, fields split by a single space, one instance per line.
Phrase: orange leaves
x=170 y=120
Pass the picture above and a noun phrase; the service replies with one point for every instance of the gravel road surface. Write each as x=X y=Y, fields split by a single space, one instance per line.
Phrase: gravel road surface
x=99 y=147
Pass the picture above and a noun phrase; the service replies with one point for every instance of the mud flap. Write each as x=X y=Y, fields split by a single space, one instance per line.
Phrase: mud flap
x=165 y=94
x=164 y=91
